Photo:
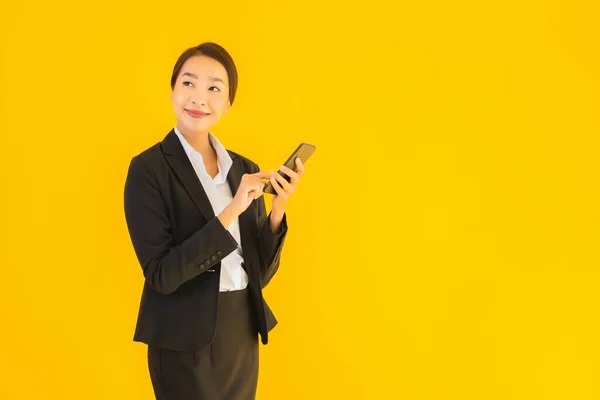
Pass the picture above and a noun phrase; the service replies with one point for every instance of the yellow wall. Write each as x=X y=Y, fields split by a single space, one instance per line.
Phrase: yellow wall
x=443 y=244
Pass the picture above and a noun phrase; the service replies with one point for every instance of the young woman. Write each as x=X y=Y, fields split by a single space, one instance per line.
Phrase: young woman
x=197 y=220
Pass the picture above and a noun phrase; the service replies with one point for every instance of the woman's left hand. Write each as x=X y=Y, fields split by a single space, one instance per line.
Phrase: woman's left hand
x=283 y=188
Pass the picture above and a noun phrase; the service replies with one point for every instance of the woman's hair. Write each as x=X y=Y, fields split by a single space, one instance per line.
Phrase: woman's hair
x=216 y=52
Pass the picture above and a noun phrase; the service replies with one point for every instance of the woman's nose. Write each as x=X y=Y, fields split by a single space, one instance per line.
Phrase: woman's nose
x=199 y=100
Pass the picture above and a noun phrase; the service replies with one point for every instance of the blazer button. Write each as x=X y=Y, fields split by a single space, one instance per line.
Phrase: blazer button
x=214 y=258
x=219 y=253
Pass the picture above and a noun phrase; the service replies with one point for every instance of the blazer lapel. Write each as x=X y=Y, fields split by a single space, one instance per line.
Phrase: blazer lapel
x=180 y=163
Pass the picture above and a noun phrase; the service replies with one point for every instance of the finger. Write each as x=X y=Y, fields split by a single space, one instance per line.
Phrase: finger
x=300 y=166
x=287 y=187
x=276 y=185
x=257 y=181
x=254 y=188
x=291 y=173
x=253 y=179
x=255 y=194
x=260 y=185
x=262 y=175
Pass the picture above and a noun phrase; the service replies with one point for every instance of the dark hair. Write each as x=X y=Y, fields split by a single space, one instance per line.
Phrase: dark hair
x=216 y=52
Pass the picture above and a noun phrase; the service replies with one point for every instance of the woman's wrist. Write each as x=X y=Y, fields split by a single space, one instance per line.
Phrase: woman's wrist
x=226 y=216
x=275 y=220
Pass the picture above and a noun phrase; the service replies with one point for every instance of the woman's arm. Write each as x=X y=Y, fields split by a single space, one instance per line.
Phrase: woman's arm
x=275 y=221
x=166 y=266
x=272 y=233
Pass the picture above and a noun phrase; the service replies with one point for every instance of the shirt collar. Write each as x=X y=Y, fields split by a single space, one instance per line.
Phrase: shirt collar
x=223 y=158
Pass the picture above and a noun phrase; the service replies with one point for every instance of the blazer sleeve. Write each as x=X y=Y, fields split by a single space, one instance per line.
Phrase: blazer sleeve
x=167 y=266
x=270 y=244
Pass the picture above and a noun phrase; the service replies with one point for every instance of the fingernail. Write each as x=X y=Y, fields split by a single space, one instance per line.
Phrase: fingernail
x=281 y=168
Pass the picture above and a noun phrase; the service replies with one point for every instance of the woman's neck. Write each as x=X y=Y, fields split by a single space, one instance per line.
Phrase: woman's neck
x=199 y=142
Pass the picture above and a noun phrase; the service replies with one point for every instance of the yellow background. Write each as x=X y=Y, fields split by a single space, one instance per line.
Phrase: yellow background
x=443 y=243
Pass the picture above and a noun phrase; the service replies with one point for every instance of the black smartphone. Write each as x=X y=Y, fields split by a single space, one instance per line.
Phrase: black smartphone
x=303 y=151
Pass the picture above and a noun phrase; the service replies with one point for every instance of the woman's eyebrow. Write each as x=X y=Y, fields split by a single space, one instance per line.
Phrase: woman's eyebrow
x=196 y=77
x=216 y=79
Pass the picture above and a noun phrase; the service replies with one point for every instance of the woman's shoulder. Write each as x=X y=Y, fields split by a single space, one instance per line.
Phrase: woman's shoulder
x=146 y=160
x=149 y=153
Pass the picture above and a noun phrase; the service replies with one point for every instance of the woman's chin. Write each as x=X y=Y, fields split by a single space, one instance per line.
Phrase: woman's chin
x=199 y=126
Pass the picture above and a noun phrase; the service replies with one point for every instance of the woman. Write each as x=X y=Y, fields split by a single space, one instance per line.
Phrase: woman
x=197 y=220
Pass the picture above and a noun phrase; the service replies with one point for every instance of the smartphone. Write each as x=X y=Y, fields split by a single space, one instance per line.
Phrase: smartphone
x=303 y=151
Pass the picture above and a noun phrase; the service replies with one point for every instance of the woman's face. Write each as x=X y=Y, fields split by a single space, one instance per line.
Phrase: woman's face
x=201 y=86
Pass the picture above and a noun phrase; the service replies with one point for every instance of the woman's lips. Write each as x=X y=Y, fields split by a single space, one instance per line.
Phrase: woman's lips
x=196 y=114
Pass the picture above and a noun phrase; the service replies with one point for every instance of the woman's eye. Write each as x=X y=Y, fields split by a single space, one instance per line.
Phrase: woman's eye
x=218 y=90
x=184 y=83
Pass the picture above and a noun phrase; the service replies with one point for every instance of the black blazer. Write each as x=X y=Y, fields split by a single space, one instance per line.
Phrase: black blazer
x=180 y=243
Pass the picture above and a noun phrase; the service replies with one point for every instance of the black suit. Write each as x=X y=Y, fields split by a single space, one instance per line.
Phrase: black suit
x=180 y=243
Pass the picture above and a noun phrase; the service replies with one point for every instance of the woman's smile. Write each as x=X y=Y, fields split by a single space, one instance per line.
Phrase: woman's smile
x=196 y=113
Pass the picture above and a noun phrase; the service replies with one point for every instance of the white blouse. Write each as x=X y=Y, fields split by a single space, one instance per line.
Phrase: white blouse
x=233 y=276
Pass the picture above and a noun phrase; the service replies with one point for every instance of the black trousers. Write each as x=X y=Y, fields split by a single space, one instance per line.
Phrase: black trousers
x=227 y=369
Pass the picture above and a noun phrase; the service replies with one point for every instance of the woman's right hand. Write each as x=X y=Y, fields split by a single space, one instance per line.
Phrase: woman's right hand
x=251 y=188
